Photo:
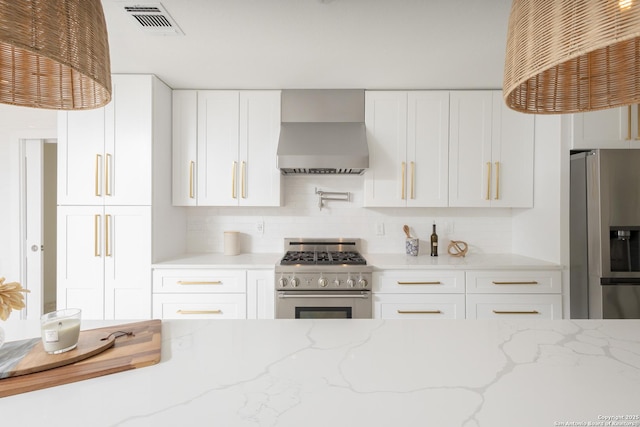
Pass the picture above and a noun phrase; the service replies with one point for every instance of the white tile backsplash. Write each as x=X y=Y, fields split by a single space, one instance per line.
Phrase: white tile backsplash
x=486 y=230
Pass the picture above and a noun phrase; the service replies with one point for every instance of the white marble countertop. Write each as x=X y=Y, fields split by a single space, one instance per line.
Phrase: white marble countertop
x=288 y=373
x=379 y=261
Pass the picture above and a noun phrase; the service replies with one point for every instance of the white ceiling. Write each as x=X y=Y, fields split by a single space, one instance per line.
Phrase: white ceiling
x=272 y=44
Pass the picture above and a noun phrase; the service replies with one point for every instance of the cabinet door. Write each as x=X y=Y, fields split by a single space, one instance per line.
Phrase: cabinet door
x=199 y=280
x=428 y=149
x=127 y=262
x=259 y=178
x=81 y=159
x=128 y=141
x=512 y=156
x=260 y=294
x=184 y=146
x=418 y=306
x=104 y=155
x=199 y=306
x=80 y=251
x=514 y=281
x=385 y=182
x=470 y=148
x=610 y=128
x=514 y=306
x=218 y=168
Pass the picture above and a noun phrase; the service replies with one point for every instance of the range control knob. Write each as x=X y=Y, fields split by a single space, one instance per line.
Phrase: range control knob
x=350 y=282
x=336 y=282
x=322 y=282
x=282 y=282
x=295 y=282
x=362 y=283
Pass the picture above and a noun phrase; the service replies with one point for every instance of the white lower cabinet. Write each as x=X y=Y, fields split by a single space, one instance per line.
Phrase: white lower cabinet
x=511 y=306
x=209 y=293
x=514 y=294
x=418 y=306
x=424 y=294
x=472 y=294
x=199 y=306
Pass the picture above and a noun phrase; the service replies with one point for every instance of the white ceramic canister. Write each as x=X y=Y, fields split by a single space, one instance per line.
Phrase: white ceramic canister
x=231 y=242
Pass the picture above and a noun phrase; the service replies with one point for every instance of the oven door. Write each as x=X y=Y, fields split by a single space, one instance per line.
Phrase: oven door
x=323 y=305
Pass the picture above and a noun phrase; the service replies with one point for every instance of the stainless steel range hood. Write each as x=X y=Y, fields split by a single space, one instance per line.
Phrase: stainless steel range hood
x=322 y=132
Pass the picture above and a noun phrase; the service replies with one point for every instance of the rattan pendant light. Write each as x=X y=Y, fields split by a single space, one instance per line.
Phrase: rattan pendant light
x=54 y=54
x=566 y=56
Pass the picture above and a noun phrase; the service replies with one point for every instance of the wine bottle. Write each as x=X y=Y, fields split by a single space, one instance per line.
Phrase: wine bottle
x=434 y=241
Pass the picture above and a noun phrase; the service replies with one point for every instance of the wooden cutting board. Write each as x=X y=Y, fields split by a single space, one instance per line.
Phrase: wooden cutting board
x=92 y=358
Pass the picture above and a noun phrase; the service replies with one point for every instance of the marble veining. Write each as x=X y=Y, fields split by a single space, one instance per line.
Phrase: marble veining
x=280 y=373
x=11 y=354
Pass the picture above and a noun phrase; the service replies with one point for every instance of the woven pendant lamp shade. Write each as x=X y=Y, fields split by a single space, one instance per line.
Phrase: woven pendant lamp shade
x=566 y=56
x=54 y=54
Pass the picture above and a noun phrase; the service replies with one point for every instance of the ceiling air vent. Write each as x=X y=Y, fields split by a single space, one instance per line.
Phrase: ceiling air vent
x=153 y=19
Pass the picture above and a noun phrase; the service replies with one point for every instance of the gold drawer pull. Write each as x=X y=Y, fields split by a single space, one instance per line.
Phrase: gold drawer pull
x=403 y=172
x=199 y=312
x=516 y=312
x=533 y=282
x=420 y=283
x=186 y=282
x=419 y=312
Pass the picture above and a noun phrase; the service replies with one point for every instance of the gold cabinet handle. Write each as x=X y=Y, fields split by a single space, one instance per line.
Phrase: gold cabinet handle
x=628 y=122
x=199 y=312
x=497 y=180
x=244 y=181
x=419 y=311
x=413 y=178
x=403 y=172
x=188 y=282
x=515 y=312
x=107 y=167
x=638 y=121
x=192 y=165
x=532 y=282
x=420 y=283
x=233 y=180
x=96 y=245
x=107 y=243
x=97 y=177
x=488 y=181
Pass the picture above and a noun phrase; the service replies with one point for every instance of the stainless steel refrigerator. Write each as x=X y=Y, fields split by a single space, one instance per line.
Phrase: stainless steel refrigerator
x=605 y=234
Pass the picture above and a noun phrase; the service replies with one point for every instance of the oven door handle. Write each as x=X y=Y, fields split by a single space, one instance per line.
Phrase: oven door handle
x=364 y=295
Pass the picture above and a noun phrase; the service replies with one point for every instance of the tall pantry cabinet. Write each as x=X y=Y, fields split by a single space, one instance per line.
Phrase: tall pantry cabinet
x=114 y=200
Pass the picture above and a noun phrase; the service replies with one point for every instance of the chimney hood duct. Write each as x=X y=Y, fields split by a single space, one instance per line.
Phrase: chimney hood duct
x=322 y=132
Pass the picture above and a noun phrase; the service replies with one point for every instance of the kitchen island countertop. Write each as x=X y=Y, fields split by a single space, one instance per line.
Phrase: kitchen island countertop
x=358 y=373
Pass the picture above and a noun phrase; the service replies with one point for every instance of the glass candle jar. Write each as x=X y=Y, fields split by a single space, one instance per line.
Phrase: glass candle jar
x=60 y=330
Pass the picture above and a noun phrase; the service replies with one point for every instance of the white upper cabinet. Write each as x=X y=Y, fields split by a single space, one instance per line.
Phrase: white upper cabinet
x=610 y=128
x=491 y=152
x=408 y=139
x=103 y=154
x=224 y=148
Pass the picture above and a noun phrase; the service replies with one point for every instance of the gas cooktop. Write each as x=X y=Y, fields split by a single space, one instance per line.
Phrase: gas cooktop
x=322 y=258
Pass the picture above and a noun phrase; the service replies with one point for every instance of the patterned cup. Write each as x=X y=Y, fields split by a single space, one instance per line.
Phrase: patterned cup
x=412 y=246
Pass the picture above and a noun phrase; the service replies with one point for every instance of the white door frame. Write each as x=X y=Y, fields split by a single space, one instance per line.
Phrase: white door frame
x=31 y=228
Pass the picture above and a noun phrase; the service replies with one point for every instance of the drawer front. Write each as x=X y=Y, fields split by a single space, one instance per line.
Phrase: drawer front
x=199 y=281
x=522 y=307
x=199 y=306
x=418 y=306
x=514 y=281
x=419 y=281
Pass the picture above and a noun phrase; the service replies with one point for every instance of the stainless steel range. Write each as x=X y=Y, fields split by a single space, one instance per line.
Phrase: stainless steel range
x=323 y=279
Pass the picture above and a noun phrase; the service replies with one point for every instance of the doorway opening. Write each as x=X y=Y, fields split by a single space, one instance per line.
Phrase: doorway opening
x=39 y=224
